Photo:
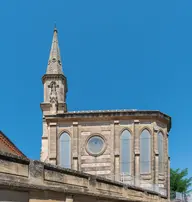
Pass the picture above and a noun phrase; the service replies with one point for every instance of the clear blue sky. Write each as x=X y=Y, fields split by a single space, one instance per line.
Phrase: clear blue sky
x=116 y=55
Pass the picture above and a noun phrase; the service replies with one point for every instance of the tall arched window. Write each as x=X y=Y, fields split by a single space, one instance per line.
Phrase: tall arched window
x=125 y=155
x=145 y=152
x=65 y=150
x=160 y=150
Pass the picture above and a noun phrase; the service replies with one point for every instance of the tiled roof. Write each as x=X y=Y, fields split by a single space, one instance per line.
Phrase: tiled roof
x=10 y=144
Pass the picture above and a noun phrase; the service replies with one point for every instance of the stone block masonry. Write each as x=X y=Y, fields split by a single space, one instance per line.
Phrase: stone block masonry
x=26 y=180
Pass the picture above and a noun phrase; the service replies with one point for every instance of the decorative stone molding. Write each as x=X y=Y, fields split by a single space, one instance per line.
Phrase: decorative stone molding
x=105 y=144
x=136 y=121
x=137 y=153
x=111 y=115
x=161 y=177
x=53 y=97
x=75 y=156
x=156 y=152
x=146 y=176
x=156 y=129
x=117 y=154
x=52 y=124
x=116 y=122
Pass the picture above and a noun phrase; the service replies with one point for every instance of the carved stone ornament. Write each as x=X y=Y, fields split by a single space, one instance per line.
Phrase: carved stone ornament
x=53 y=96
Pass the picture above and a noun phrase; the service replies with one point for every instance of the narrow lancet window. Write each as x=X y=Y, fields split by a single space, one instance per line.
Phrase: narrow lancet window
x=125 y=152
x=65 y=150
x=145 y=152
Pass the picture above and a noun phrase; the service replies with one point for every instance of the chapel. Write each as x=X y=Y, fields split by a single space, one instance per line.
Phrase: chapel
x=130 y=146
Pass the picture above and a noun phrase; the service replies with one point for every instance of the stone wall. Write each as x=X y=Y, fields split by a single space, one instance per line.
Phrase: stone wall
x=26 y=180
x=107 y=164
x=15 y=196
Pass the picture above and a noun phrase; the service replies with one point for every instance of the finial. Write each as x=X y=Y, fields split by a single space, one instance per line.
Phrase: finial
x=55 y=27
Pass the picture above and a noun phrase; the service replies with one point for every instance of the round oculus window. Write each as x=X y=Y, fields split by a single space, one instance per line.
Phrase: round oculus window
x=95 y=145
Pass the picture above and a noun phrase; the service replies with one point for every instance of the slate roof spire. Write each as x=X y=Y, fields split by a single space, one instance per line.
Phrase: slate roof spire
x=54 y=63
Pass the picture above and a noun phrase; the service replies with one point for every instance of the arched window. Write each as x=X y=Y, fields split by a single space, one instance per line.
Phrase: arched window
x=65 y=150
x=160 y=150
x=125 y=152
x=145 y=152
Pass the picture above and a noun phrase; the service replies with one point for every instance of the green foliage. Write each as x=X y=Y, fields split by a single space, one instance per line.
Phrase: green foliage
x=179 y=181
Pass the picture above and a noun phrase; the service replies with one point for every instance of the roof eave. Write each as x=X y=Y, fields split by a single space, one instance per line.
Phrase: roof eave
x=114 y=113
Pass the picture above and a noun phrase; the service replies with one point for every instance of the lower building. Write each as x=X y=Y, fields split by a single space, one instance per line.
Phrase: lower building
x=25 y=180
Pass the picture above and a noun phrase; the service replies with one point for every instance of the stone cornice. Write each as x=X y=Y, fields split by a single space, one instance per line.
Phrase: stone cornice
x=46 y=106
x=14 y=158
x=113 y=115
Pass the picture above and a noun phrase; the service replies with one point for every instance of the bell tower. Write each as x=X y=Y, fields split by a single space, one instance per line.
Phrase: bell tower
x=54 y=81
x=54 y=102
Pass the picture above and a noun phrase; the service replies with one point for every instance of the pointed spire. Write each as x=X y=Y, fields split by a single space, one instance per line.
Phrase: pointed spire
x=54 y=63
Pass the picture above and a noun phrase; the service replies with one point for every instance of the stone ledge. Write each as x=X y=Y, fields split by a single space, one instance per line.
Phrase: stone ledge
x=95 y=178
x=57 y=168
x=86 y=182
x=26 y=187
x=14 y=158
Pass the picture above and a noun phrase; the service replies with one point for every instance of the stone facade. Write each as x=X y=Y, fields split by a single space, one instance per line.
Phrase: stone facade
x=109 y=128
x=107 y=125
x=34 y=181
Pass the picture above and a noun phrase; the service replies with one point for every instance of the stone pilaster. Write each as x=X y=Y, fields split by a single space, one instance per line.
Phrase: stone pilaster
x=44 y=143
x=112 y=149
x=75 y=146
x=137 y=169
x=166 y=172
x=36 y=171
x=137 y=152
x=45 y=130
x=167 y=144
x=168 y=180
x=52 y=143
x=117 y=151
x=156 y=177
x=168 y=169
x=117 y=167
x=156 y=159
x=166 y=155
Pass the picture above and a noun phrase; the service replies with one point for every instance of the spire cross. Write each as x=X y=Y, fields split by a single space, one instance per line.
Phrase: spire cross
x=55 y=27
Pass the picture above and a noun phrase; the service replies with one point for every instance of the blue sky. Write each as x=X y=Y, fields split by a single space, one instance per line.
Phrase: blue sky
x=115 y=54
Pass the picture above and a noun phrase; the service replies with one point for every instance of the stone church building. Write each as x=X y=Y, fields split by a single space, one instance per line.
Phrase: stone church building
x=130 y=146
